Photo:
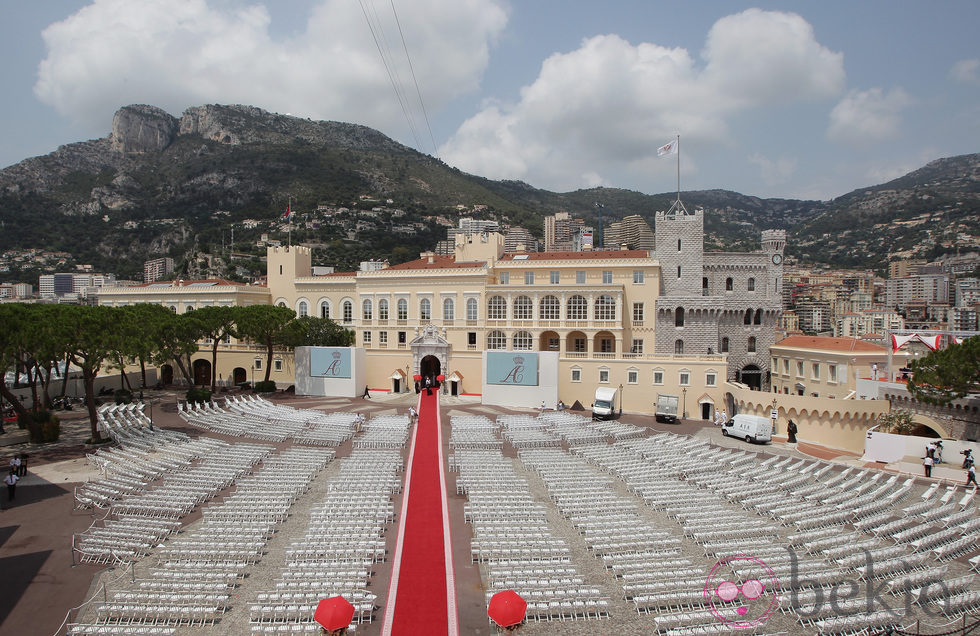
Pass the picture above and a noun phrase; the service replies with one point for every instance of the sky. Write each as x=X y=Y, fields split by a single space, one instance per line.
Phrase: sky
x=806 y=100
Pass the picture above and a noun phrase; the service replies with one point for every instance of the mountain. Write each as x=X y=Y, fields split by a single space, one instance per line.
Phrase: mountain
x=184 y=187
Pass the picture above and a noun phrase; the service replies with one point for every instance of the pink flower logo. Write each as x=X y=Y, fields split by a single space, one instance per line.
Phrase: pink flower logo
x=748 y=605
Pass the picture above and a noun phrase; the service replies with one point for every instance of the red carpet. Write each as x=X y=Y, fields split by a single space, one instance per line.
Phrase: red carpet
x=421 y=597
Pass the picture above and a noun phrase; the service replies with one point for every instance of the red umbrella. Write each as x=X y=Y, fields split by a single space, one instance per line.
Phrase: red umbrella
x=416 y=377
x=334 y=613
x=507 y=608
x=440 y=377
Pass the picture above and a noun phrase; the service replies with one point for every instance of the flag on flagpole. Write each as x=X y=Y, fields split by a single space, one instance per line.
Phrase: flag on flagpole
x=669 y=148
x=288 y=213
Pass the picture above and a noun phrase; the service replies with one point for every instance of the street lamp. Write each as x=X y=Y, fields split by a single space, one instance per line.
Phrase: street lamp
x=774 y=414
x=620 y=400
x=684 y=407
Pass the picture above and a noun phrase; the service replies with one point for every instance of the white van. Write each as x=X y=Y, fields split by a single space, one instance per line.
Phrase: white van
x=604 y=405
x=751 y=428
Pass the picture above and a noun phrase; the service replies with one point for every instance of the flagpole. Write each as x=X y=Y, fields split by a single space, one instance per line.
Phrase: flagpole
x=289 y=224
x=678 y=168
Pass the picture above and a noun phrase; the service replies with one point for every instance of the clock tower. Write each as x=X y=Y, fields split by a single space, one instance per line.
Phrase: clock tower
x=773 y=243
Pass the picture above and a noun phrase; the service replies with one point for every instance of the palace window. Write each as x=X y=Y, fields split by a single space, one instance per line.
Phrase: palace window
x=550 y=308
x=448 y=309
x=402 y=309
x=348 y=311
x=472 y=309
x=497 y=308
x=578 y=308
x=496 y=340
x=605 y=308
x=367 y=309
x=383 y=309
x=523 y=308
x=522 y=340
x=425 y=309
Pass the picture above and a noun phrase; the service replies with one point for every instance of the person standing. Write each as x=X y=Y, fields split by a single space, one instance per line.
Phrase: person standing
x=15 y=464
x=971 y=476
x=23 y=465
x=11 y=480
x=791 y=432
x=927 y=462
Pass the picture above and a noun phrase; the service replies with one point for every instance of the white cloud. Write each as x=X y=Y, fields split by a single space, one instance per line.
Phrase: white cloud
x=773 y=171
x=966 y=71
x=180 y=53
x=868 y=116
x=765 y=57
x=612 y=103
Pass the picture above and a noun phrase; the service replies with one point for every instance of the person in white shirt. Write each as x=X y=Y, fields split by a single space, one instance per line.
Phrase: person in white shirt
x=11 y=480
x=927 y=462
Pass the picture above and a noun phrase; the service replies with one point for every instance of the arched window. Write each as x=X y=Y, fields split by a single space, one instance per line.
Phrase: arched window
x=605 y=308
x=758 y=317
x=550 y=308
x=578 y=308
x=522 y=340
x=303 y=309
x=348 y=311
x=729 y=285
x=748 y=317
x=173 y=308
x=724 y=345
x=751 y=284
x=679 y=317
x=367 y=309
x=383 y=309
x=402 y=309
x=472 y=309
x=751 y=344
x=448 y=309
x=324 y=308
x=523 y=308
x=496 y=340
x=425 y=309
x=191 y=307
x=497 y=308
x=679 y=347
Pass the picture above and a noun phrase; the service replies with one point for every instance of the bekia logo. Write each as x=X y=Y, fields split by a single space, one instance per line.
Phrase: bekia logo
x=748 y=605
x=516 y=374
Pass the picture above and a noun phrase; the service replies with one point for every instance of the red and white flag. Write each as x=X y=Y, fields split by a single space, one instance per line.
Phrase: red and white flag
x=669 y=148
x=288 y=213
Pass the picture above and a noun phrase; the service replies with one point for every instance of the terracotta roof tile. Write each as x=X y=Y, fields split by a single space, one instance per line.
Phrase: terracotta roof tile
x=830 y=344
x=438 y=262
x=575 y=256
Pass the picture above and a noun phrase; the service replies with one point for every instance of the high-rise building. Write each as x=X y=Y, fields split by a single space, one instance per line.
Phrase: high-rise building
x=519 y=239
x=157 y=268
x=559 y=230
x=633 y=232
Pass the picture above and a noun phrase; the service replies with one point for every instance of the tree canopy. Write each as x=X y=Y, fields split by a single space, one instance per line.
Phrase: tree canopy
x=947 y=374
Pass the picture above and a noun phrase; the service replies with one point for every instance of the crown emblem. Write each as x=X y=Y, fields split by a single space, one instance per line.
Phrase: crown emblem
x=519 y=360
x=336 y=355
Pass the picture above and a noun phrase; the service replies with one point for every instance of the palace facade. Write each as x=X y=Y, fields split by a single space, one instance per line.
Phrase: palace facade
x=675 y=321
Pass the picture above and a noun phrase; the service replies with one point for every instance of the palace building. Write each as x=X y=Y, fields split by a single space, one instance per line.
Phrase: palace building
x=674 y=321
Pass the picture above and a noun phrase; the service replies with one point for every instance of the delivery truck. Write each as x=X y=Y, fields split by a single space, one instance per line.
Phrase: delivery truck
x=666 y=408
x=604 y=405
